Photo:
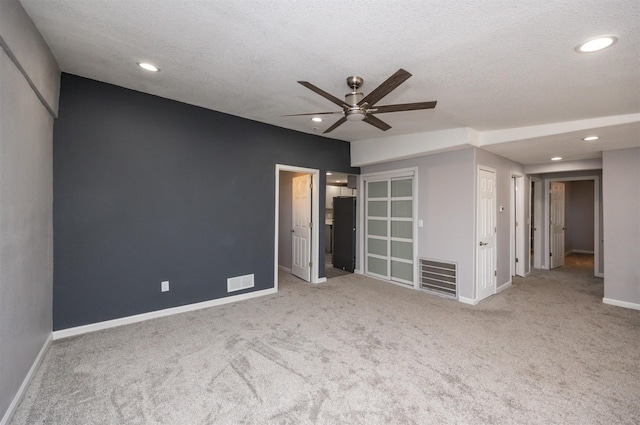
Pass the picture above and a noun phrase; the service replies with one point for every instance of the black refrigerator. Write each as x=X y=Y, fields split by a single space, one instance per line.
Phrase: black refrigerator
x=344 y=233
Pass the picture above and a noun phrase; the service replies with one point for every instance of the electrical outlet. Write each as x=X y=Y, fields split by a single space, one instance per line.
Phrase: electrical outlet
x=164 y=286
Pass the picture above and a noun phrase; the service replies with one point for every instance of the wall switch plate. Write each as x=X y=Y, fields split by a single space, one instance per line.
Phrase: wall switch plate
x=164 y=286
x=420 y=223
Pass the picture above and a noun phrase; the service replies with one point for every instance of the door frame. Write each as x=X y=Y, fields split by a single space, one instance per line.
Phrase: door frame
x=517 y=214
x=596 y=220
x=476 y=288
x=536 y=208
x=315 y=219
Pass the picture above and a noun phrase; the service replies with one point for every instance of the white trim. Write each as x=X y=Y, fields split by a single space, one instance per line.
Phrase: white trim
x=581 y=251
x=27 y=380
x=516 y=185
x=504 y=286
x=79 y=330
x=538 y=204
x=596 y=218
x=321 y=280
x=315 y=219
x=618 y=303
x=475 y=230
x=285 y=269
x=466 y=300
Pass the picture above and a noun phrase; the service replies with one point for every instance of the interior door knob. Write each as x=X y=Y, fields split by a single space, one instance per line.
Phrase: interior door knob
x=484 y=243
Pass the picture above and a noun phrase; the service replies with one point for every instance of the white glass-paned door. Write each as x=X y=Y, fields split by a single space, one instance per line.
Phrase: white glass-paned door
x=389 y=229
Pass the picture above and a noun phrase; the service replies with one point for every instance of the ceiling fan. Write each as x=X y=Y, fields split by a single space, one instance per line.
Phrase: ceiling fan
x=357 y=107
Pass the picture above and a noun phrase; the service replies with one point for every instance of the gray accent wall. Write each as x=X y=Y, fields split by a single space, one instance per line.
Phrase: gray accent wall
x=148 y=189
x=621 y=182
x=29 y=80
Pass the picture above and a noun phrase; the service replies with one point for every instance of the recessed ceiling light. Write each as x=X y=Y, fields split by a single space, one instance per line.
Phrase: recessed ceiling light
x=328 y=173
x=556 y=158
x=590 y=138
x=148 y=67
x=597 y=43
x=316 y=119
x=337 y=181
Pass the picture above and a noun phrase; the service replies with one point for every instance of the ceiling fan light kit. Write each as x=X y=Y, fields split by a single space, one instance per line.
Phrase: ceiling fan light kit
x=358 y=107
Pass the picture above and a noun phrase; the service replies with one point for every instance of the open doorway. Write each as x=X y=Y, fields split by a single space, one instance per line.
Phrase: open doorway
x=296 y=210
x=572 y=225
x=340 y=224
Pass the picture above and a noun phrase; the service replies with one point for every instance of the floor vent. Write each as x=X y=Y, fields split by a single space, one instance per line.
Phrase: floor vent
x=239 y=282
x=439 y=276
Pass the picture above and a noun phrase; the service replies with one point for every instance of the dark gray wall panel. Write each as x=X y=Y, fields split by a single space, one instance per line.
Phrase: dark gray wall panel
x=147 y=189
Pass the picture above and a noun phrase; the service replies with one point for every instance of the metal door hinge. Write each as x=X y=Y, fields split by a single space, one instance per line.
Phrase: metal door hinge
x=551 y=254
x=310 y=224
x=495 y=272
x=310 y=263
x=516 y=260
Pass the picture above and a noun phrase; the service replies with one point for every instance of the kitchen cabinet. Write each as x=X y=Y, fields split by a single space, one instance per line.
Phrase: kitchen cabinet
x=332 y=192
x=345 y=191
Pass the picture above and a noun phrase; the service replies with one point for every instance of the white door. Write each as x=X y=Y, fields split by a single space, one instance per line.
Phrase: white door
x=486 y=234
x=556 y=224
x=301 y=227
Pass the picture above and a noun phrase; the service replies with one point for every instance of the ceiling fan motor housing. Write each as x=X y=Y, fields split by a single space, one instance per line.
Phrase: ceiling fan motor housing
x=353 y=98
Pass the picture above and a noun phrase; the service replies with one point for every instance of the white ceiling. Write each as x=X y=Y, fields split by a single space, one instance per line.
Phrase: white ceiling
x=490 y=64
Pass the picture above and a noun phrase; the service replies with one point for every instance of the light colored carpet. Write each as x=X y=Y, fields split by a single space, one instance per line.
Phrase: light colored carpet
x=357 y=351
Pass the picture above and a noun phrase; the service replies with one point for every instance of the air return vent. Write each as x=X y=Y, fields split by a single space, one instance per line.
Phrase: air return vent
x=439 y=276
x=239 y=282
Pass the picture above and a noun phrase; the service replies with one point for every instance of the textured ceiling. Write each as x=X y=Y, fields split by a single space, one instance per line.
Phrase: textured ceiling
x=491 y=65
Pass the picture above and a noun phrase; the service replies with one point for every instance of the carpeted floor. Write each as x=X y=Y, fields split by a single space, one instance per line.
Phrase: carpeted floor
x=357 y=351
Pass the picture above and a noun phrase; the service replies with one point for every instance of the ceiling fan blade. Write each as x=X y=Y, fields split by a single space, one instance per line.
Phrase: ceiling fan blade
x=385 y=88
x=324 y=94
x=403 y=107
x=336 y=125
x=376 y=122
x=313 y=113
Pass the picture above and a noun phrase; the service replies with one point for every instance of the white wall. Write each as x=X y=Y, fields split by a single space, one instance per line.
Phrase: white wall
x=446 y=190
x=621 y=190
x=29 y=85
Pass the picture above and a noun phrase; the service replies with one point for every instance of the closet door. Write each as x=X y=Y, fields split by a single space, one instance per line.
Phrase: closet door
x=390 y=229
x=401 y=230
x=377 y=216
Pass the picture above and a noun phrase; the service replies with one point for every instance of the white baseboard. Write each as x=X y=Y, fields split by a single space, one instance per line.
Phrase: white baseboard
x=321 y=280
x=25 y=383
x=78 y=330
x=504 y=286
x=618 y=303
x=469 y=301
x=580 y=251
x=284 y=269
x=358 y=271
x=598 y=274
